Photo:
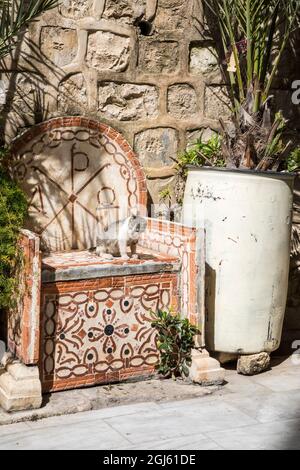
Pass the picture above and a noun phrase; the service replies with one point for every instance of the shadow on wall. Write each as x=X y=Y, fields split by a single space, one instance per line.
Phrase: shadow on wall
x=29 y=98
x=33 y=90
x=24 y=101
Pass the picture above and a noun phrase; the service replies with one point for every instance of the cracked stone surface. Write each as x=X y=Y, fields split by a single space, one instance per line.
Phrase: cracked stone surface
x=203 y=60
x=159 y=56
x=217 y=102
x=125 y=11
x=72 y=96
x=156 y=146
x=108 y=51
x=77 y=9
x=173 y=15
x=59 y=45
x=127 y=102
x=182 y=101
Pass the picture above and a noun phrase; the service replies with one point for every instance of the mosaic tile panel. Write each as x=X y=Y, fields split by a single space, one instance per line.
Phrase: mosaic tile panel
x=100 y=331
x=188 y=245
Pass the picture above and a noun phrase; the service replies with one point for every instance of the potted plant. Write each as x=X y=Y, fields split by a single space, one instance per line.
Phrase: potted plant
x=175 y=341
x=240 y=188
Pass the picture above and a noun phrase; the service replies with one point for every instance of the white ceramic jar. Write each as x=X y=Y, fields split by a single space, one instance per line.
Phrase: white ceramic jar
x=247 y=217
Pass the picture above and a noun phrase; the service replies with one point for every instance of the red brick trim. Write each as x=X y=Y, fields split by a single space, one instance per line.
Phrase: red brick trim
x=23 y=334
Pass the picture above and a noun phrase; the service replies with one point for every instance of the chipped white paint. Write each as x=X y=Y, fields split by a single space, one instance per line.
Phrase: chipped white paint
x=248 y=226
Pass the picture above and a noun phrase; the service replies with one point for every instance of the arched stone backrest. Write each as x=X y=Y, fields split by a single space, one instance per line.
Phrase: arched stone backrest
x=69 y=166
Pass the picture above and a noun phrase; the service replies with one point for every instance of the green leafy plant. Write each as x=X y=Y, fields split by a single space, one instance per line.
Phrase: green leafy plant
x=175 y=341
x=13 y=210
x=165 y=195
x=293 y=160
x=253 y=36
x=202 y=152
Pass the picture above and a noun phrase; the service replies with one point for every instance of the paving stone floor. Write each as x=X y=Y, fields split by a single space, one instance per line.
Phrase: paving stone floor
x=261 y=412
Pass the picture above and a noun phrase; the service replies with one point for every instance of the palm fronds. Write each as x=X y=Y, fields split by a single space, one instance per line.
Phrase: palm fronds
x=254 y=36
x=250 y=30
x=15 y=14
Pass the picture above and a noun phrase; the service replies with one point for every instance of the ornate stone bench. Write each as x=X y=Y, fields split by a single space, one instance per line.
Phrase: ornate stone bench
x=84 y=320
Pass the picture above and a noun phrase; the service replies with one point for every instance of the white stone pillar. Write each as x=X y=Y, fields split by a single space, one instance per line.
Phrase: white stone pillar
x=20 y=387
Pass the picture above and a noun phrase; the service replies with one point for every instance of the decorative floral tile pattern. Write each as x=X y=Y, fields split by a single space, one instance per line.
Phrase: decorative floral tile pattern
x=97 y=332
x=179 y=241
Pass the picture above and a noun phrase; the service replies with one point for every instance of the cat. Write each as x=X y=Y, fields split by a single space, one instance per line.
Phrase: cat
x=114 y=239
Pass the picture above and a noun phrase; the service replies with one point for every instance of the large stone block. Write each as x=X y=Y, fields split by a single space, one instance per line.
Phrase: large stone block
x=159 y=56
x=20 y=388
x=123 y=10
x=155 y=147
x=28 y=90
x=127 y=101
x=173 y=15
x=155 y=188
x=75 y=9
x=205 y=370
x=108 y=51
x=217 y=102
x=203 y=60
x=58 y=44
x=72 y=97
x=182 y=101
x=253 y=364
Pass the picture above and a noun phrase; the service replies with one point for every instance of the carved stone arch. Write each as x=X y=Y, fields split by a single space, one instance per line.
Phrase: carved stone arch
x=67 y=166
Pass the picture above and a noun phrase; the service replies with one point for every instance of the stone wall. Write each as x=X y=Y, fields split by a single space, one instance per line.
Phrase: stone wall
x=144 y=67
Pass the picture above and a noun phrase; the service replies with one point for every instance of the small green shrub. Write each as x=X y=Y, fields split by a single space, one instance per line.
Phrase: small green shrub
x=13 y=209
x=175 y=341
x=203 y=153
x=165 y=195
x=293 y=161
